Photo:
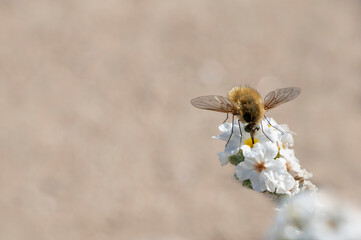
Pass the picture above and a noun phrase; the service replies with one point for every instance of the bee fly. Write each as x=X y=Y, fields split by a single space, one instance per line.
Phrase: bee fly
x=246 y=103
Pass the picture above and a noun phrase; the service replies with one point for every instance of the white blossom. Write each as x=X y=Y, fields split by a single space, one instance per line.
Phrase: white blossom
x=286 y=138
x=233 y=145
x=312 y=216
x=263 y=171
x=268 y=163
x=289 y=158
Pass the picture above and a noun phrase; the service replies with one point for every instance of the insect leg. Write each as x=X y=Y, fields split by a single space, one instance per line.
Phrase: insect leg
x=226 y=119
x=265 y=133
x=231 y=131
x=272 y=125
x=240 y=131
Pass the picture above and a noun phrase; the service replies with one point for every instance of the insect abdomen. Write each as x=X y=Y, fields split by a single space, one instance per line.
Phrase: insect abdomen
x=250 y=113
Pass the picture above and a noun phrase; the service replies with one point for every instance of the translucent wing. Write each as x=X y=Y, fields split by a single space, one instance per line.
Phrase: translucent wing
x=213 y=103
x=279 y=96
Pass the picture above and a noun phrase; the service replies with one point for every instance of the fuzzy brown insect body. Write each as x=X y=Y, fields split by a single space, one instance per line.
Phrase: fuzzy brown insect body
x=245 y=103
x=248 y=104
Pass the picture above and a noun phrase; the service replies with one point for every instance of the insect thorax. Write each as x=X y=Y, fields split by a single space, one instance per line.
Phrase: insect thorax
x=248 y=103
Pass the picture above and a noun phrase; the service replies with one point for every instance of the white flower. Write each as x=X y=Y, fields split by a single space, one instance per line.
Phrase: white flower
x=279 y=132
x=226 y=129
x=288 y=157
x=270 y=166
x=291 y=218
x=262 y=170
x=271 y=129
x=224 y=156
x=233 y=146
x=235 y=143
x=286 y=139
x=285 y=183
x=312 y=216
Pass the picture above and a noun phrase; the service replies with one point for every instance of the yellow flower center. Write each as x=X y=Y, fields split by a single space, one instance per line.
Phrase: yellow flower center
x=249 y=142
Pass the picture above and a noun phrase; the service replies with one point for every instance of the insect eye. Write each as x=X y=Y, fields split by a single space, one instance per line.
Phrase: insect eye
x=257 y=127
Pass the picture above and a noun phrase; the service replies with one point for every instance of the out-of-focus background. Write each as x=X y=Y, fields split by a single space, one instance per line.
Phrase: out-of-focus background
x=98 y=139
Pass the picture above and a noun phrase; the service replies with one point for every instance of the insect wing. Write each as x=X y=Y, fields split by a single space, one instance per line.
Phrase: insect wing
x=213 y=103
x=279 y=96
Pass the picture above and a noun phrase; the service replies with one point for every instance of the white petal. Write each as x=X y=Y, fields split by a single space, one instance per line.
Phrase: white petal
x=270 y=180
x=222 y=136
x=258 y=183
x=271 y=150
x=287 y=137
x=285 y=184
x=276 y=166
x=294 y=166
x=270 y=131
x=233 y=144
x=259 y=151
x=250 y=163
x=226 y=129
x=246 y=150
x=290 y=158
x=288 y=154
x=243 y=172
x=278 y=178
x=223 y=158
x=282 y=160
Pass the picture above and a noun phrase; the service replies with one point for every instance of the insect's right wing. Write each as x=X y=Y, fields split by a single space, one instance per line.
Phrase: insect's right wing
x=213 y=103
x=279 y=96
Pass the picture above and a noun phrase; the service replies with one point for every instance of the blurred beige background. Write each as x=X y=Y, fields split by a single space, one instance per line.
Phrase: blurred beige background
x=98 y=139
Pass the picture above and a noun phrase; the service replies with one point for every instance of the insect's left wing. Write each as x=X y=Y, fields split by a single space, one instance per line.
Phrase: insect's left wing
x=279 y=96
x=213 y=103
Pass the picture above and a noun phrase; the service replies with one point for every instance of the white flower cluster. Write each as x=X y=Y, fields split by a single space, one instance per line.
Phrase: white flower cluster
x=269 y=164
x=312 y=216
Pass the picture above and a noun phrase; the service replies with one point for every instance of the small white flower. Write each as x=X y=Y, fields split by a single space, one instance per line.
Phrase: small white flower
x=286 y=183
x=270 y=166
x=286 y=139
x=269 y=131
x=292 y=218
x=279 y=132
x=226 y=129
x=235 y=141
x=288 y=157
x=272 y=129
x=262 y=170
x=312 y=216
x=233 y=145
x=224 y=156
